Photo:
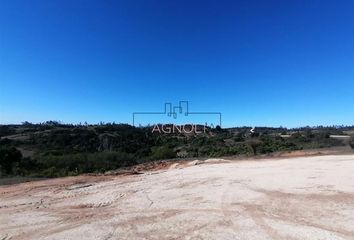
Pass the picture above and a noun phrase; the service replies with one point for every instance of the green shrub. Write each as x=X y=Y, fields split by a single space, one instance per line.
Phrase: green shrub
x=162 y=152
x=9 y=157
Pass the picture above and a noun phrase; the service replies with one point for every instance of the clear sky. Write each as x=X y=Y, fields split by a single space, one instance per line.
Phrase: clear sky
x=273 y=63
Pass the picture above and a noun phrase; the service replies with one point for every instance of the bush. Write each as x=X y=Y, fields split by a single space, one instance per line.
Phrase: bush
x=162 y=152
x=61 y=165
x=9 y=157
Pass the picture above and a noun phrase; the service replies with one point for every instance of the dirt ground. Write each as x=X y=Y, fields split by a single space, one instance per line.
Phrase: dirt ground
x=290 y=198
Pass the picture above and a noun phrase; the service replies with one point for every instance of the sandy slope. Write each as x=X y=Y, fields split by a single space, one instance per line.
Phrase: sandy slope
x=297 y=198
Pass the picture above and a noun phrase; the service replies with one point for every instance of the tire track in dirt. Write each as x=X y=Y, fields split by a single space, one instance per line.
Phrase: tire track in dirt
x=288 y=207
x=226 y=207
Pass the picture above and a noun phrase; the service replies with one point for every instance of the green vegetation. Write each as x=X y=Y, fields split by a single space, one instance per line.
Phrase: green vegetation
x=10 y=157
x=53 y=149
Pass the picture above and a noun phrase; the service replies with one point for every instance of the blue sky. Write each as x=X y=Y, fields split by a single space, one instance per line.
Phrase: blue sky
x=263 y=63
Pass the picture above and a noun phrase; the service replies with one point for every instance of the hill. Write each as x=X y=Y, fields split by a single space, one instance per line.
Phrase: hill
x=53 y=149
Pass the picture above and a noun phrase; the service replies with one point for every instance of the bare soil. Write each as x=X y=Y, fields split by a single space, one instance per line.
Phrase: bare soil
x=286 y=197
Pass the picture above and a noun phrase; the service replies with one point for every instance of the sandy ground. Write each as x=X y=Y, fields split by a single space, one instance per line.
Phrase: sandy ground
x=295 y=198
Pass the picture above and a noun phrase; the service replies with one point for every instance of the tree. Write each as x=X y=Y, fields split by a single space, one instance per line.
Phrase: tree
x=218 y=128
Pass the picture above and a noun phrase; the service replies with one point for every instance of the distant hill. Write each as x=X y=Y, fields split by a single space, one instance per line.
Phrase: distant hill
x=54 y=149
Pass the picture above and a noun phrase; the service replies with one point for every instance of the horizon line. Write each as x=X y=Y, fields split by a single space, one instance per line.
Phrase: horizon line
x=85 y=123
